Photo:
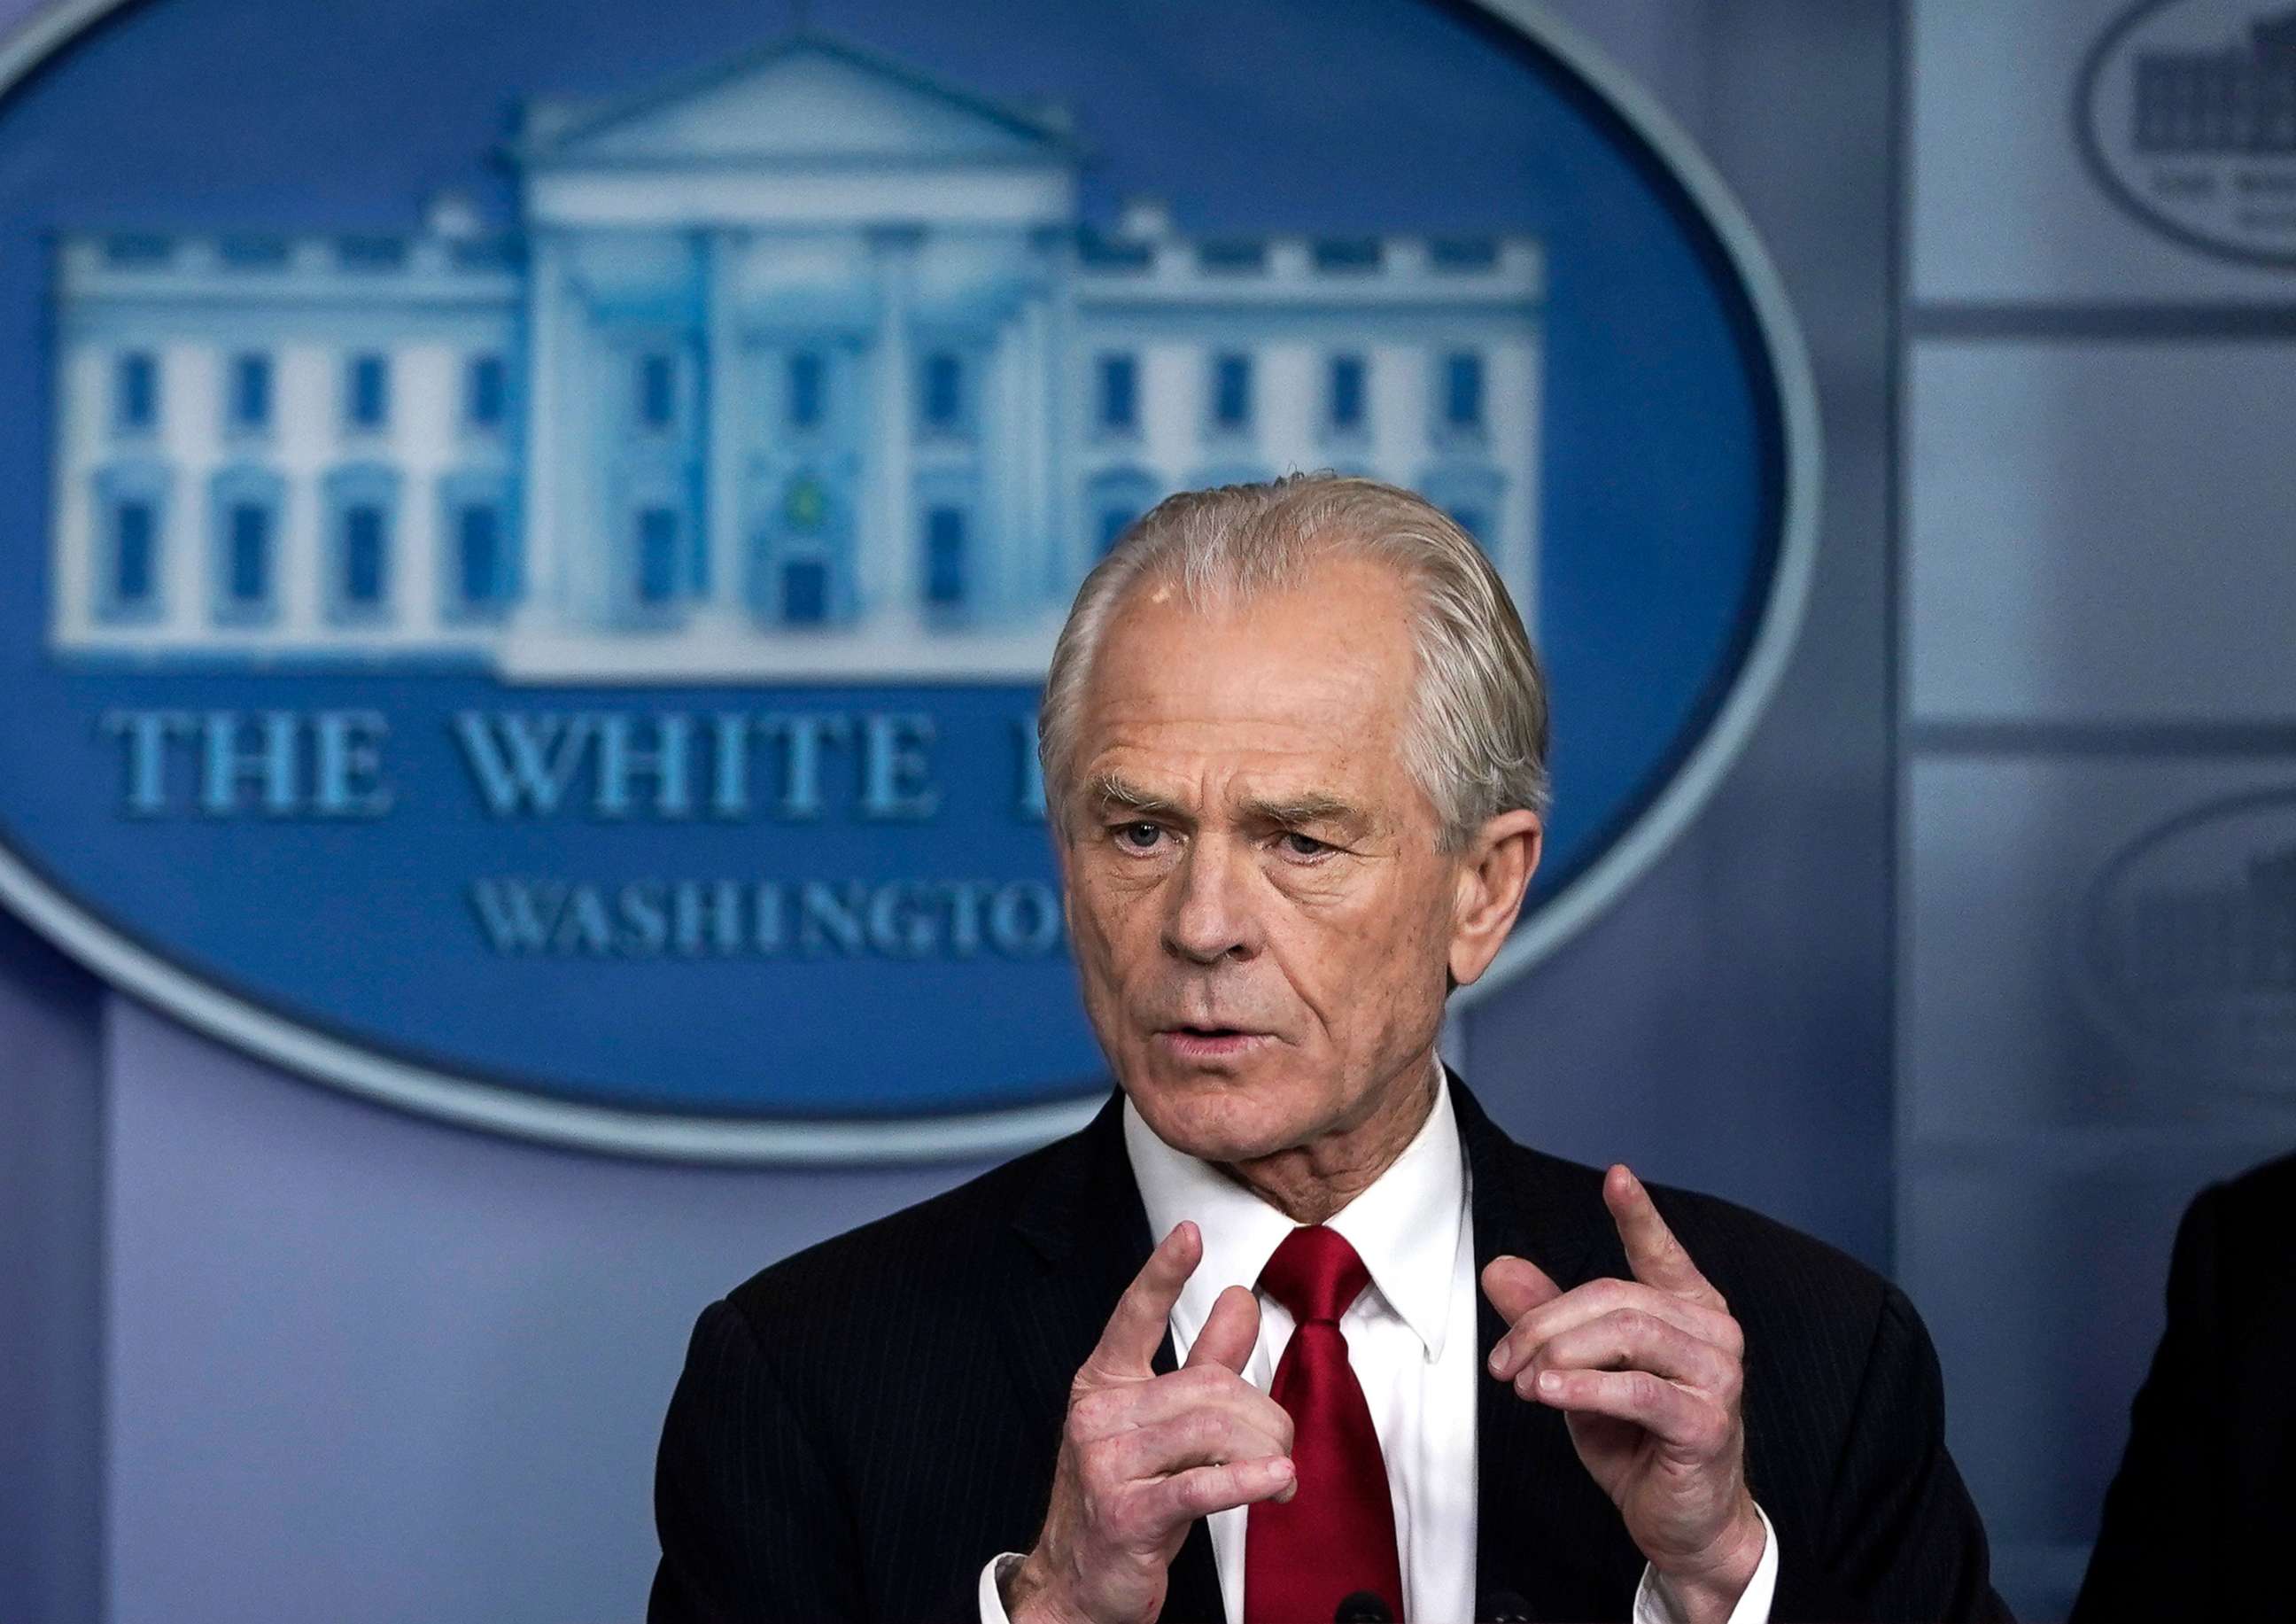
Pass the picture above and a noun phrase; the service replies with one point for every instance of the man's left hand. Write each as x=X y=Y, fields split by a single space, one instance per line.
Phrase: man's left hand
x=1649 y=1373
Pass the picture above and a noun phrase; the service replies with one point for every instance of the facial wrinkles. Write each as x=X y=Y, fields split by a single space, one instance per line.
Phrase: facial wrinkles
x=1227 y=763
x=1311 y=930
x=1314 y=1180
x=1249 y=992
x=1221 y=720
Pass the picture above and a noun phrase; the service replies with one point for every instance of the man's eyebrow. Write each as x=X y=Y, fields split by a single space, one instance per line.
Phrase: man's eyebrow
x=1111 y=792
x=1108 y=791
x=1310 y=807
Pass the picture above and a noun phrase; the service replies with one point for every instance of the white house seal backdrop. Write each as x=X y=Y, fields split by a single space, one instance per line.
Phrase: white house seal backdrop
x=546 y=540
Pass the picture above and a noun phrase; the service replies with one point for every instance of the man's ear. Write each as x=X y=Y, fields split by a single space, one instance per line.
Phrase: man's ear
x=1494 y=875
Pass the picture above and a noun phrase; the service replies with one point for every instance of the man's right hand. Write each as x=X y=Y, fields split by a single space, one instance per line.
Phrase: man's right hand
x=1144 y=1455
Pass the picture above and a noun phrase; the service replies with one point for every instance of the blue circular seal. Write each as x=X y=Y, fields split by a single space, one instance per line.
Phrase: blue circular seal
x=533 y=540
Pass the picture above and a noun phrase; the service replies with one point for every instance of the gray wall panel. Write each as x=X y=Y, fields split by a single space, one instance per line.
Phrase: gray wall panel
x=1727 y=1024
x=416 y=1371
x=50 y=1261
x=2002 y=209
x=2001 y=1035
x=2046 y=1147
x=2040 y=1359
x=2100 y=532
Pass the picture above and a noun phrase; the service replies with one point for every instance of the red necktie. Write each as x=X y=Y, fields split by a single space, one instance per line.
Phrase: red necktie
x=1337 y=1535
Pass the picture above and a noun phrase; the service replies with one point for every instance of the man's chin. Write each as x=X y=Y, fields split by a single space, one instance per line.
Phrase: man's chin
x=1223 y=1119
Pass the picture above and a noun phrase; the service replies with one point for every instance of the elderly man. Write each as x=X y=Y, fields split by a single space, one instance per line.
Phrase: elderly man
x=1291 y=1332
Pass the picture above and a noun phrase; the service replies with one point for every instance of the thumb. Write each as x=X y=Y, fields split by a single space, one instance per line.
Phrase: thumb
x=1517 y=1285
x=1230 y=1332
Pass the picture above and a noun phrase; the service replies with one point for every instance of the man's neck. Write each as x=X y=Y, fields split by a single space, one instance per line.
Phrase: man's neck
x=1310 y=1183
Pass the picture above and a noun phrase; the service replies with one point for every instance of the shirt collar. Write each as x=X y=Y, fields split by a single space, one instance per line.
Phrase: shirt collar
x=1405 y=1224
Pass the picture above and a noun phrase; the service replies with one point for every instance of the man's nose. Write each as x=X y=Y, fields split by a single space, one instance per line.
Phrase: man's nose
x=1211 y=906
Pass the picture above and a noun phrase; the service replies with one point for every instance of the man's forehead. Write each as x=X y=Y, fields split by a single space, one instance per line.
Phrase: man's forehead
x=1263 y=745
x=1314 y=658
x=1296 y=694
x=1235 y=770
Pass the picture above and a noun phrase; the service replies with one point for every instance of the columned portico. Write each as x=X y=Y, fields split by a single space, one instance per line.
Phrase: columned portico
x=721 y=418
x=1037 y=570
x=550 y=597
x=809 y=368
x=888 y=563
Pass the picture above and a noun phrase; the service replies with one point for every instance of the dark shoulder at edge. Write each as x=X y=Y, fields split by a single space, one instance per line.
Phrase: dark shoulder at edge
x=937 y=1249
x=2249 y=1217
x=2268 y=1189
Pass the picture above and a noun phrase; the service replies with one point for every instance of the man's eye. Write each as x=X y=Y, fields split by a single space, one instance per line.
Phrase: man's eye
x=1299 y=845
x=1138 y=837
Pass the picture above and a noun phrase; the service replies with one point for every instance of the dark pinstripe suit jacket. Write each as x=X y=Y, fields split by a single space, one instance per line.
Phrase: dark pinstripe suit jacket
x=859 y=1428
x=2205 y=1500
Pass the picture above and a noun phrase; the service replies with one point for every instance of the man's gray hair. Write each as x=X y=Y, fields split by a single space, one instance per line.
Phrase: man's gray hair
x=1477 y=745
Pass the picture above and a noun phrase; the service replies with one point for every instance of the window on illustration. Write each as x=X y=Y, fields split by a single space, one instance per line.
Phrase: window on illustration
x=944 y=403
x=657 y=555
x=944 y=557
x=807 y=391
x=369 y=392
x=1347 y=393
x=247 y=571
x=1119 y=393
x=136 y=391
x=250 y=391
x=657 y=390
x=1463 y=391
x=478 y=547
x=364 y=559
x=1231 y=392
x=134 y=545
x=485 y=392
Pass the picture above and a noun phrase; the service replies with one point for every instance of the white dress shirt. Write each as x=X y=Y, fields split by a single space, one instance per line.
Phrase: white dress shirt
x=1411 y=1342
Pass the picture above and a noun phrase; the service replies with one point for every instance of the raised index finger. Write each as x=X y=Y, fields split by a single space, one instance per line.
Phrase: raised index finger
x=1128 y=1344
x=1655 y=1256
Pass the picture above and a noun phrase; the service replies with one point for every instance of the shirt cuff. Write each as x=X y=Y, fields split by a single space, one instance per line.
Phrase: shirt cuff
x=992 y=1597
x=1653 y=1605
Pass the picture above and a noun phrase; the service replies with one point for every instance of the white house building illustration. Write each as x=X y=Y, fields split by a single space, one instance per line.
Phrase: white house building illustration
x=802 y=366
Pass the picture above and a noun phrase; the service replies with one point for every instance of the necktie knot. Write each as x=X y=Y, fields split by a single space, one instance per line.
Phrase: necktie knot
x=1315 y=1274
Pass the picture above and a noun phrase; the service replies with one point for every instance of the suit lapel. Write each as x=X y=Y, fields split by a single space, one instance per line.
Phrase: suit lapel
x=1088 y=1232
x=1088 y=1235
x=1544 y=1532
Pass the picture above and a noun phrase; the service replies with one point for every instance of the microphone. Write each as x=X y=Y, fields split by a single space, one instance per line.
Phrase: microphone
x=1504 y=1607
x=1363 y=1607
